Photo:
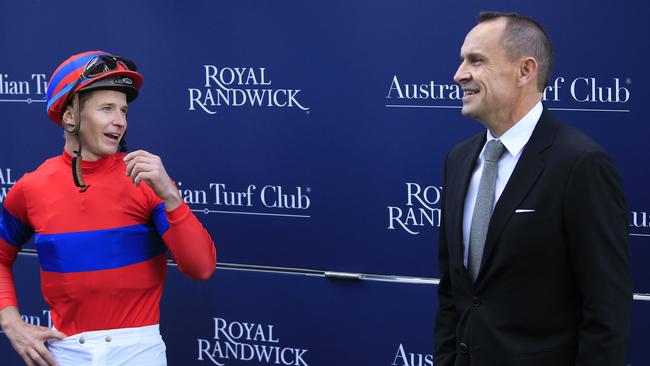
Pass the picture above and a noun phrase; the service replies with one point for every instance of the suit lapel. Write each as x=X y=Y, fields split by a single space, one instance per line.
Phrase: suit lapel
x=524 y=176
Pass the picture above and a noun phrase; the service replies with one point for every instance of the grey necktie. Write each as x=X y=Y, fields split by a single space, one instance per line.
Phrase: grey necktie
x=483 y=205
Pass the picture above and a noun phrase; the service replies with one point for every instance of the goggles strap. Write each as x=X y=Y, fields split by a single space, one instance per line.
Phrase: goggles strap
x=76 y=161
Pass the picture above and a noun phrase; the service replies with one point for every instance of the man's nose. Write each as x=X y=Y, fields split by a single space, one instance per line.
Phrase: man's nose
x=462 y=75
x=120 y=119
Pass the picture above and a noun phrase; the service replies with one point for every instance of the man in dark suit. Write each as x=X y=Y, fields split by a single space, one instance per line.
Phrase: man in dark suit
x=533 y=244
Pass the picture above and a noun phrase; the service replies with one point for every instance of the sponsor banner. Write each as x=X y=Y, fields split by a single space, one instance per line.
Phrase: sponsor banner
x=640 y=223
x=321 y=144
x=7 y=180
x=405 y=358
x=27 y=88
x=577 y=93
x=232 y=87
x=252 y=199
x=307 y=167
x=242 y=317
x=32 y=307
x=295 y=319
x=640 y=248
x=244 y=341
x=420 y=211
x=589 y=90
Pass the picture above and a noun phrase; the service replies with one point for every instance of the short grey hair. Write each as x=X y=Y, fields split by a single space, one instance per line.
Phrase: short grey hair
x=524 y=36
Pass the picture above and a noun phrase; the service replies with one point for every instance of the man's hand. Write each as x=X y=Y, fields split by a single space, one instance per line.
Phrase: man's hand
x=144 y=166
x=28 y=340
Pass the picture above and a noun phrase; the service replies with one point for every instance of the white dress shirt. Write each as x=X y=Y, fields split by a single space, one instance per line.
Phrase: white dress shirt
x=514 y=139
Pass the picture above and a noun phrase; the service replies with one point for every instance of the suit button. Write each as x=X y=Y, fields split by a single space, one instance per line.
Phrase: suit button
x=476 y=301
x=463 y=348
x=82 y=340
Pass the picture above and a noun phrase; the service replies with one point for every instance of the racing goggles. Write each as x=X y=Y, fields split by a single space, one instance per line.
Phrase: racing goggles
x=97 y=66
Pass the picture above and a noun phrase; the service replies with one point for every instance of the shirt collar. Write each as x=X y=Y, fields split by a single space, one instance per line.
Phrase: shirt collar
x=88 y=166
x=518 y=135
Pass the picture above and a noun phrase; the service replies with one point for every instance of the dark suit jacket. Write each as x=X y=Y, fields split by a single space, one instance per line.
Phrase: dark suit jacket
x=554 y=287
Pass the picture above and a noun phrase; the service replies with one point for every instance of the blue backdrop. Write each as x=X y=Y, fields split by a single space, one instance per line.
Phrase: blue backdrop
x=309 y=137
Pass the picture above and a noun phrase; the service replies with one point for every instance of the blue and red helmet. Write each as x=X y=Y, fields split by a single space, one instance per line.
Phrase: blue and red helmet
x=121 y=76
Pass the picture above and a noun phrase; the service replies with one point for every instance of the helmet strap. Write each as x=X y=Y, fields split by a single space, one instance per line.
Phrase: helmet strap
x=122 y=143
x=76 y=161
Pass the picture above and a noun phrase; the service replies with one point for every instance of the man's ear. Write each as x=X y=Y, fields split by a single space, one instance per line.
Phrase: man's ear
x=527 y=71
x=68 y=119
